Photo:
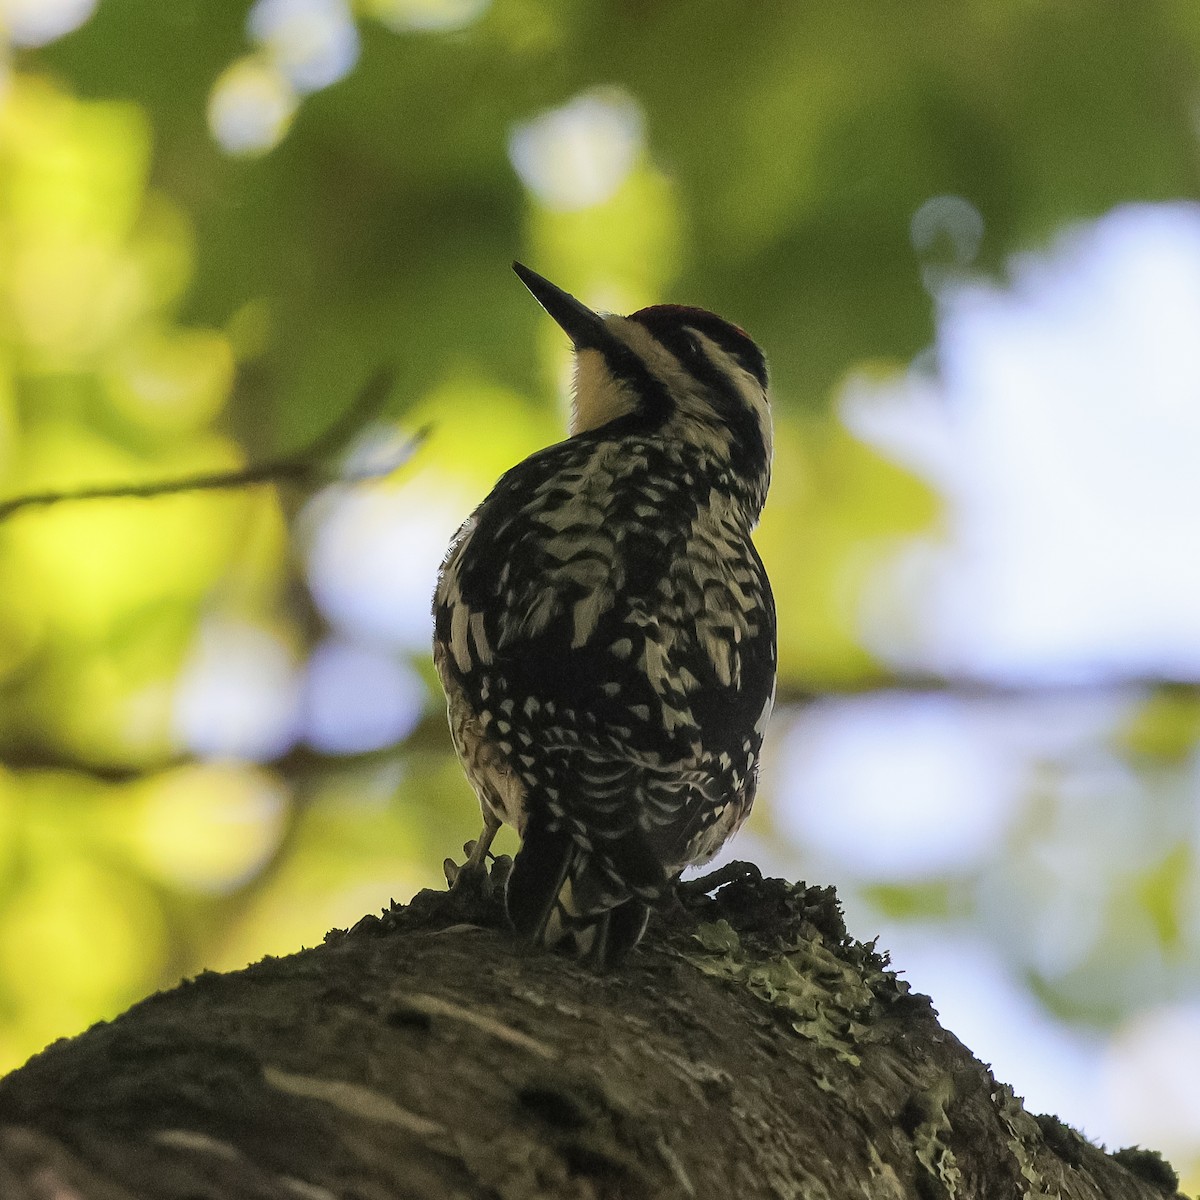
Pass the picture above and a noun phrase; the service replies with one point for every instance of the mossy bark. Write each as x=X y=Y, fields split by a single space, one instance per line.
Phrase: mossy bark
x=748 y=1048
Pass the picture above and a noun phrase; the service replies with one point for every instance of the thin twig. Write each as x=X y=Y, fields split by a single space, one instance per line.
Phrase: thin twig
x=305 y=466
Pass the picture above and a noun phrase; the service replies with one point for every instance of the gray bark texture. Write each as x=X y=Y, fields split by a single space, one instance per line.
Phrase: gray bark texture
x=748 y=1048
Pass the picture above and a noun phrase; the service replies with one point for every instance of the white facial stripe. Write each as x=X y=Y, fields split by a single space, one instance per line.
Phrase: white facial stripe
x=747 y=385
x=599 y=398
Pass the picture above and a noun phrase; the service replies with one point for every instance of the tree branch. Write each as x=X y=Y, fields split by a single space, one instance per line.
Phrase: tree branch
x=307 y=466
x=748 y=1048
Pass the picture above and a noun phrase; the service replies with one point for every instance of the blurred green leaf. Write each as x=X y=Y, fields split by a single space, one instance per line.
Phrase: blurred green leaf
x=1166 y=728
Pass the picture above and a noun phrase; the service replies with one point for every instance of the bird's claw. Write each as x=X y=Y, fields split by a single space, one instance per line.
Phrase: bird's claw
x=706 y=885
x=476 y=876
x=502 y=865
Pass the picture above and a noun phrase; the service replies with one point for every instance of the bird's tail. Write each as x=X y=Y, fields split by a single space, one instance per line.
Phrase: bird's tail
x=562 y=894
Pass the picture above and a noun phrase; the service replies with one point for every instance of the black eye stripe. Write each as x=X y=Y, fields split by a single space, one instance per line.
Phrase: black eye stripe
x=691 y=353
x=667 y=319
x=748 y=450
x=685 y=346
x=688 y=346
x=655 y=402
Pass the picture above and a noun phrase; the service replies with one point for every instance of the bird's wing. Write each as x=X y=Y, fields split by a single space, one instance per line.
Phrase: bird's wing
x=625 y=662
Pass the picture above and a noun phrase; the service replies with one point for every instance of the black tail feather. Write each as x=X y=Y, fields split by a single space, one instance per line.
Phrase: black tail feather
x=560 y=894
x=539 y=871
x=614 y=934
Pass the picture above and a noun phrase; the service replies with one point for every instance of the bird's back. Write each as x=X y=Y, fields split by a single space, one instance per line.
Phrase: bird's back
x=606 y=631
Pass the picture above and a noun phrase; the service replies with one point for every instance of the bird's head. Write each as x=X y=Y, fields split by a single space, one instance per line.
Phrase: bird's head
x=672 y=371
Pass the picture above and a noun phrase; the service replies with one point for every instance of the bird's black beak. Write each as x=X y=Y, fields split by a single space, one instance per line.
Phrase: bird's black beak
x=585 y=328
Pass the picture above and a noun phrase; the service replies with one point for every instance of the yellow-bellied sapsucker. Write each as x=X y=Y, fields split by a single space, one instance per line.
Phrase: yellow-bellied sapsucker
x=604 y=628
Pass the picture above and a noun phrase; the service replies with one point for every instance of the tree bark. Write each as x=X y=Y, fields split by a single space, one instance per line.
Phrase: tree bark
x=748 y=1048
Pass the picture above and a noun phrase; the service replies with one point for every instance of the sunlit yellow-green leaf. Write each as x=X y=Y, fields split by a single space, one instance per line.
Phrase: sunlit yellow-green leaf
x=836 y=508
x=355 y=848
x=89 y=563
x=171 y=381
x=1166 y=728
x=206 y=827
x=75 y=176
x=618 y=255
x=9 y=820
x=427 y=15
x=477 y=430
x=78 y=941
x=1164 y=893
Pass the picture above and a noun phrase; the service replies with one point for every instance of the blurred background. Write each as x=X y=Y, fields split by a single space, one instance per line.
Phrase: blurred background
x=968 y=237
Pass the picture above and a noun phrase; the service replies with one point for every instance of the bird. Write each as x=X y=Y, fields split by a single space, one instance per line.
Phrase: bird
x=604 y=628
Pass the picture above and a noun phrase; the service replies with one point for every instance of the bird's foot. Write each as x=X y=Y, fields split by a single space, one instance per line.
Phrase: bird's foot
x=705 y=885
x=455 y=873
x=474 y=878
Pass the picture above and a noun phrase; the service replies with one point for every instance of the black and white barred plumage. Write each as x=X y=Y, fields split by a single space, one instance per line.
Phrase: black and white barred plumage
x=604 y=628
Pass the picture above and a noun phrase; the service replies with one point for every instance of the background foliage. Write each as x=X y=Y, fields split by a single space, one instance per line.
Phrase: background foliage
x=219 y=730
